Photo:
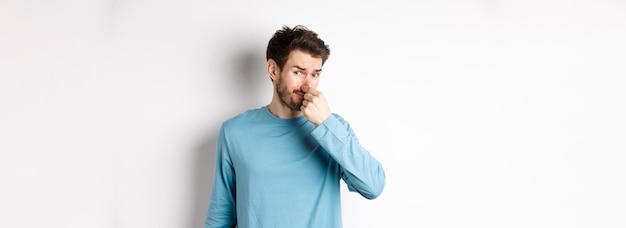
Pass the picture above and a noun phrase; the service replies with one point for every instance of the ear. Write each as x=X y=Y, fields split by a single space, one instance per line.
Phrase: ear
x=272 y=69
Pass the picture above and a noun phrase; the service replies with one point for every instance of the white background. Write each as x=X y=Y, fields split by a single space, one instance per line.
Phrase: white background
x=486 y=113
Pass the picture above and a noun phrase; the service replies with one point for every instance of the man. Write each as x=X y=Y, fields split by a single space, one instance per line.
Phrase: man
x=280 y=165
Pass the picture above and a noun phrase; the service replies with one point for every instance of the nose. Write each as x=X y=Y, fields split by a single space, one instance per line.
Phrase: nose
x=307 y=80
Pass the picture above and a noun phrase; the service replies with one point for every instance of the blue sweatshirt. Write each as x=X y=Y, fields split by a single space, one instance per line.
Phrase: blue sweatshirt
x=272 y=172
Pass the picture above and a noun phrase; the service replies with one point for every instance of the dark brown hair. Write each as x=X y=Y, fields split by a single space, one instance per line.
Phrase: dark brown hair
x=297 y=38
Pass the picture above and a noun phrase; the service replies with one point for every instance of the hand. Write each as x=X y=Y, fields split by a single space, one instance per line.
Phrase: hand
x=314 y=106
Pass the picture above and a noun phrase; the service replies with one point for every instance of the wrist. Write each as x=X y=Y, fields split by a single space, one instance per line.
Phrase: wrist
x=318 y=123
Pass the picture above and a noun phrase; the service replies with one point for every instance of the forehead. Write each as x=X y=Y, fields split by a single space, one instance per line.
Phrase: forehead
x=303 y=59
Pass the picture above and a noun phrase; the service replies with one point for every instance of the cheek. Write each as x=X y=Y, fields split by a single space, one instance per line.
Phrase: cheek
x=314 y=83
x=291 y=82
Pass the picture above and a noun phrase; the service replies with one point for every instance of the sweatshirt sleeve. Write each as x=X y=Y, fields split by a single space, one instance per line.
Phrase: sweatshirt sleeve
x=222 y=211
x=360 y=170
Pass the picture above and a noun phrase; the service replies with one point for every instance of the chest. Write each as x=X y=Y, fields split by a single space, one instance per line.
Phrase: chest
x=278 y=152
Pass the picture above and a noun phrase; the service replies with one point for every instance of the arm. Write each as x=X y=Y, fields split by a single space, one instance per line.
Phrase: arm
x=222 y=211
x=361 y=171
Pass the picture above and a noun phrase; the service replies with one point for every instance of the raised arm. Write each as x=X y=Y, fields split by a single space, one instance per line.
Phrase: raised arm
x=361 y=171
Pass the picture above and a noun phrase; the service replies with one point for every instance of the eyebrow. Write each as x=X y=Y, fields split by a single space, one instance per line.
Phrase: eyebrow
x=302 y=68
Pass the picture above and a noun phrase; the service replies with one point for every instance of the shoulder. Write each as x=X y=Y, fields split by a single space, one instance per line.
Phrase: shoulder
x=243 y=119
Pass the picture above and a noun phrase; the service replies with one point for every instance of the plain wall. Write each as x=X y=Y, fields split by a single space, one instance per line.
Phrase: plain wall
x=483 y=113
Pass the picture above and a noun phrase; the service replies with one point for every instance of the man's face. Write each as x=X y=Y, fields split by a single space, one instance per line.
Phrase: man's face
x=301 y=69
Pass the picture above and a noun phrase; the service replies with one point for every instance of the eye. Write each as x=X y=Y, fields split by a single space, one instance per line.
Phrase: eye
x=298 y=73
x=315 y=75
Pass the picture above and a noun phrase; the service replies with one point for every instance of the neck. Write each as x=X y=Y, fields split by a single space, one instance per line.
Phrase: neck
x=280 y=110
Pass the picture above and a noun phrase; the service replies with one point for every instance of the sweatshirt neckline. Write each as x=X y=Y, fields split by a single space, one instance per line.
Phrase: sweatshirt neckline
x=267 y=112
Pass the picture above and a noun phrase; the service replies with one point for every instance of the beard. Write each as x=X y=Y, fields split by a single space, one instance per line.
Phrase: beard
x=286 y=96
